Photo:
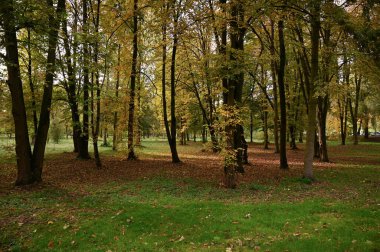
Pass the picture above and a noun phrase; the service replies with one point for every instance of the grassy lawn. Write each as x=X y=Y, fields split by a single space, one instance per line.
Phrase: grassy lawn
x=183 y=213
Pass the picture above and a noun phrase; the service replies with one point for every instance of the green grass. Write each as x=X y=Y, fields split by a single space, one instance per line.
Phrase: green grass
x=157 y=215
x=338 y=213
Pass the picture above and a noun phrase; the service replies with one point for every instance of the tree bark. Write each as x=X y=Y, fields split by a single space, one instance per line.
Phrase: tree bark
x=173 y=123
x=322 y=117
x=281 y=85
x=44 y=122
x=95 y=122
x=31 y=86
x=131 y=113
x=171 y=138
x=83 y=146
x=275 y=93
x=233 y=130
x=23 y=149
x=354 y=109
x=312 y=108
x=115 y=114
x=71 y=89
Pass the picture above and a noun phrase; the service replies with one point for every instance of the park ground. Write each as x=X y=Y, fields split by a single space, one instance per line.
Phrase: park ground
x=154 y=205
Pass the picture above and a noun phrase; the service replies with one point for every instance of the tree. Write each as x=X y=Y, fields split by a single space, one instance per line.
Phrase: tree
x=172 y=132
x=29 y=164
x=233 y=97
x=131 y=153
x=281 y=85
x=314 y=79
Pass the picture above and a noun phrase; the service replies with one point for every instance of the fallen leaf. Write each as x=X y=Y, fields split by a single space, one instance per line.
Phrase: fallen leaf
x=51 y=244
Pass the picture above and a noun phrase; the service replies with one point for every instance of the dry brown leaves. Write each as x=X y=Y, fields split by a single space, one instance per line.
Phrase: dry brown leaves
x=65 y=171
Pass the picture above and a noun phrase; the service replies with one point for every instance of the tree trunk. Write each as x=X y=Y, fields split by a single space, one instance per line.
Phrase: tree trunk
x=83 y=143
x=95 y=122
x=138 y=110
x=354 y=110
x=131 y=152
x=115 y=114
x=23 y=149
x=44 y=122
x=366 y=127
x=204 y=138
x=275 y=93
x=266 y=137
x=173 y=123
x=251 y=126
x=169 y=131
x=312 y=107
x=322 y=116
x=233 y=130
x=316 y=146
x=71 y=92
x=281 y=85
x=31 y=86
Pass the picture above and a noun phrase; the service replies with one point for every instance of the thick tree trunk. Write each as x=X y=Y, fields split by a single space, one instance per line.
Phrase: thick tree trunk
x=23 y=149
x=322 y=140
x=281 y=85
x=131 y=114
x=44 y=122
x=95 y=121
x=83 y=143
x=31 y=86
x=312 y=107
x=71 y=91
x=234 y=131
x=275 y=93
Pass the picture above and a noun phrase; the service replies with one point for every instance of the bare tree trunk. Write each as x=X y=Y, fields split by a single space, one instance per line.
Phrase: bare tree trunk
x=71 y=89
x=131 y=152
x=281 y=84
x=312 y=108
x=95 y=122
x=23 y=149
x=31 y=86
x=115 y=114
x=251 y=126
x=266 y=137
x=354 y=110
x=169 y=132
x=322 y=117
x=275 y=93
x=233 y=131
x=366 y=125
x=83 y=146
x=173 y=123
x=44 y=122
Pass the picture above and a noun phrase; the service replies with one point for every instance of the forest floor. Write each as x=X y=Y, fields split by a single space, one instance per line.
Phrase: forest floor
x=154 y=205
